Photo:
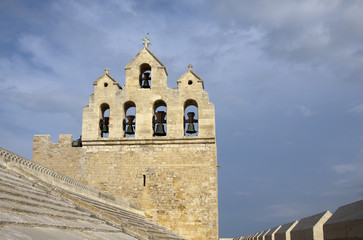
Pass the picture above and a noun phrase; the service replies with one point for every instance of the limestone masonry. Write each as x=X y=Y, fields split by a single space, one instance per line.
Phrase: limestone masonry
x=148 y=144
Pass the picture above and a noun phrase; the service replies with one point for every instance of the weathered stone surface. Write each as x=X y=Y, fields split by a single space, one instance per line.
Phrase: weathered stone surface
x=31 y=207
x=271 y=234
x=173 y=178
x=346 y=223
x=310 y=228
x=257 y=236
x=262 y=235
x=284 y=232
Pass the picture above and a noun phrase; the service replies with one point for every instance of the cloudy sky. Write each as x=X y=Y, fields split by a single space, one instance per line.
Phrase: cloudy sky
x=286 y=78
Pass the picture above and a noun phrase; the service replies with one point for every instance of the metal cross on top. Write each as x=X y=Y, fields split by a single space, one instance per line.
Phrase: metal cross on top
x=107 y=69
x=146 y=41
x=190 y=66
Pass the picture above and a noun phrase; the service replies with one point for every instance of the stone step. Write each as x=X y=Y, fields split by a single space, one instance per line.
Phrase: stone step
x=26 y=189
x=110 y=209
x=23 y=232
x=36 y=220
x=15 y=207
x=135 y=220
x=35 y=197
x=22 y=184
x=24 y=201
x=18 y=178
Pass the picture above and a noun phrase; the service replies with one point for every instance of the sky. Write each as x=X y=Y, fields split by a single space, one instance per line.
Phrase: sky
x=286 y=78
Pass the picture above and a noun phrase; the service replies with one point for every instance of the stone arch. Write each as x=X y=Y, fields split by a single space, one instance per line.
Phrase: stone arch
x=104 y=122
x=159 y=118
x=191 y=125
x=145 y=76
x=129 y=121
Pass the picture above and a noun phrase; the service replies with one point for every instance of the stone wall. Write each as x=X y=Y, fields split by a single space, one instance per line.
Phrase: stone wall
x=173 y=182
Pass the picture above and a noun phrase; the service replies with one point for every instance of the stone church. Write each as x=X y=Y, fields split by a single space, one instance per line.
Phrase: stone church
x=147 y=144
x=145 y=167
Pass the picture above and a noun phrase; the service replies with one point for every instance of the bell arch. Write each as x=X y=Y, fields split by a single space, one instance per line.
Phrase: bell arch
x=129 y=121
x=159 y=119
x=145 y=76
x=191 y=125
x=104 y=122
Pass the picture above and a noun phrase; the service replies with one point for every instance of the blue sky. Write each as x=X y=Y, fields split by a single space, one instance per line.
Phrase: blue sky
x=286 y=78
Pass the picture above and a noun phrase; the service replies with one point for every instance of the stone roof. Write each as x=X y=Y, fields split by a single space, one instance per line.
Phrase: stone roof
x=39 y=203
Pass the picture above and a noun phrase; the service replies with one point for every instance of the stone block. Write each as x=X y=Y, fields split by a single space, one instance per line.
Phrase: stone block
x=271 y=234
x=310 y=228
x=257 y=235
x=284 y=232
x=346 y=223
x=262 y=235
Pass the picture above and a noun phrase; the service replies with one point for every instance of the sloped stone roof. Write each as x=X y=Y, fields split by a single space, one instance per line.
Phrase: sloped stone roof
x=38 y=203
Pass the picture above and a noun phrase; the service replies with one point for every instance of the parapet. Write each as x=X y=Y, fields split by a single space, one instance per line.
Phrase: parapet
x=284 y=232
x=271 y=234
x=345 y=223
x=311 y=227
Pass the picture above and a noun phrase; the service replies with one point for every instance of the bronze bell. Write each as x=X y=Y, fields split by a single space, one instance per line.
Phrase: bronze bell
x=160 y=120
x=145 y=80
x=160 y=131
x=104 y=128
x=191 y=128
x=129 y=123
x=130 y=130
x=191 y=121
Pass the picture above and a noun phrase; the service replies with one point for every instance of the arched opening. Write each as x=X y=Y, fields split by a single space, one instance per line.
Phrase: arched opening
x=145 y=76
x=104 y=120
x=159 y=119
x=130 y=119
x=191 y=125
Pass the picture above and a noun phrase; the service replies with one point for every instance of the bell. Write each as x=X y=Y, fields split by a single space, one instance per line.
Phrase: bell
x=104 y=128
x=191 y=128
x=160 y=131
x=130 y=130
x=145 y=84
x=146 y=79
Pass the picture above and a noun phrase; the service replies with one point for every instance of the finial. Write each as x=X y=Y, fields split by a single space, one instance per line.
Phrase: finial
x=190 y=66
x=106 y=70
x=146 y=41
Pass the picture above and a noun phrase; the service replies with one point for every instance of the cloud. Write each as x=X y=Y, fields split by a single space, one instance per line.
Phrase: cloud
x=287 y=211
x=243 y=194
x=345 y=168
x=357 y=109
x=306 y=112
x=324 y=34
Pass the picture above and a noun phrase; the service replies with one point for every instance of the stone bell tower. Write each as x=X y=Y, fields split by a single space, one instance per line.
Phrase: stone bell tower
x=149 y=144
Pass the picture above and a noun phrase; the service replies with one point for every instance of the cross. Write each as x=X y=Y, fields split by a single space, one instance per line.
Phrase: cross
x=190 y=66
x=146 y=41
x=107 y=69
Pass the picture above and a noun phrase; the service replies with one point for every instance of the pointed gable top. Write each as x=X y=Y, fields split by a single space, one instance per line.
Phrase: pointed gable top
x=152 y=55
x=109 y=76
x=190 y=71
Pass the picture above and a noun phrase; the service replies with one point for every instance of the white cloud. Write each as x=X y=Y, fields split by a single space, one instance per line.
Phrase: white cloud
x=244 y=194
x=357 y=109
x=345 y=168
x=305 y=111
x=285 y=211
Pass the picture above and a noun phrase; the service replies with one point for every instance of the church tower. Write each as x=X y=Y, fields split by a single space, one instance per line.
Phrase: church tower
x=148 y=144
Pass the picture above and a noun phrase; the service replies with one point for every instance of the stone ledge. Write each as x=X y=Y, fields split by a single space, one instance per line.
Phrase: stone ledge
x=157 y=141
